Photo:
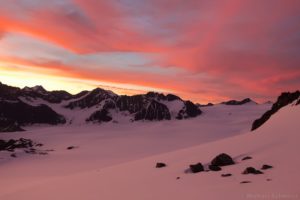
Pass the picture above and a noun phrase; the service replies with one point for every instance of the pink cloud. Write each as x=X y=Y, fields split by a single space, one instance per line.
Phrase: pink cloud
x=225 y=49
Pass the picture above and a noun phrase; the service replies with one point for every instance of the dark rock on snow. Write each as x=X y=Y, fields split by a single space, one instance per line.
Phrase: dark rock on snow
x=243 y=182
x=265 y=167
x=13 y=155
x=160 y=165
x=222 y=160
x=12 y=144
x=71 y=147
x=251 y=170
x=226 y=175
x=247 y=158
x=214 y=168
x=100 y=116
x=197 y=168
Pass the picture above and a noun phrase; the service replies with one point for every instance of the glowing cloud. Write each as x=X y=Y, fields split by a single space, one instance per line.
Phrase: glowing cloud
x=201 y=50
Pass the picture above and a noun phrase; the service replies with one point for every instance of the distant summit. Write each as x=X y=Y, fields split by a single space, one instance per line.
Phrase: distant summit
x=235 y=102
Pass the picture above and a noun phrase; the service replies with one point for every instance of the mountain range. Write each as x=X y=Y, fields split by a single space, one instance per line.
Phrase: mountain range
x=35 y=105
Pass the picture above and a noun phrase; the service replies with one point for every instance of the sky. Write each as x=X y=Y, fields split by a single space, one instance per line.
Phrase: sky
x=202 y=50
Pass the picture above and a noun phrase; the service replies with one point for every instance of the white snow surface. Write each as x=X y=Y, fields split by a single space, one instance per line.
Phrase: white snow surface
x=117 y=161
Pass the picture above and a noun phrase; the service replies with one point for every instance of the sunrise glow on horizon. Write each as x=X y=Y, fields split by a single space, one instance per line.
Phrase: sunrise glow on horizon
x=205 y=51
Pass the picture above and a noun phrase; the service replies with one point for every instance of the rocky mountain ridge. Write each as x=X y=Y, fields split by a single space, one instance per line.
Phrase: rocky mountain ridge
x=27 y=106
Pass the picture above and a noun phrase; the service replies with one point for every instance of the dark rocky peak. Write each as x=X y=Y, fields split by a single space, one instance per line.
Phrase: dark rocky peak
x=235 y=102
x=283 y=100
x=92 y=98
x=9 y=92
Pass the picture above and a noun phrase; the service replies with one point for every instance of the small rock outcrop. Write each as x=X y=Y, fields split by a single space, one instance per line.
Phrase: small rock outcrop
x=251 y=170
x=12 y=144
x=100 y=116
x=226 y=175
x=196 y=168
x=222 y=160
x=72 y=147
x=247 y=158
x=160 y=165
x=265 y=167
x=244 y=182
x=214 y=168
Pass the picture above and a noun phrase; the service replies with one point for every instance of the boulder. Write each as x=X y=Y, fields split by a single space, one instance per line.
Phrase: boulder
x=226 y=175
x=222 y=160
x=251 y=170
x=71 y=147
x=264 y=167
x=214 y=168
x=160 y=165
x=247 y=158
x=243 y=182
x=197 y=168
x=13 y=155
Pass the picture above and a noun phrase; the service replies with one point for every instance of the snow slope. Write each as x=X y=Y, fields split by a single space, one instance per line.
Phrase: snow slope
x=118 y=163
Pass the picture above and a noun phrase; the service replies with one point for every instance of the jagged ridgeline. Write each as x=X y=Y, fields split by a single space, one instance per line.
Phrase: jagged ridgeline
x=27 y=106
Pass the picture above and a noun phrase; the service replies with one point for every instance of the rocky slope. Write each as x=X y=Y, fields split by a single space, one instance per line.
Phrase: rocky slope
x=283 y=100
